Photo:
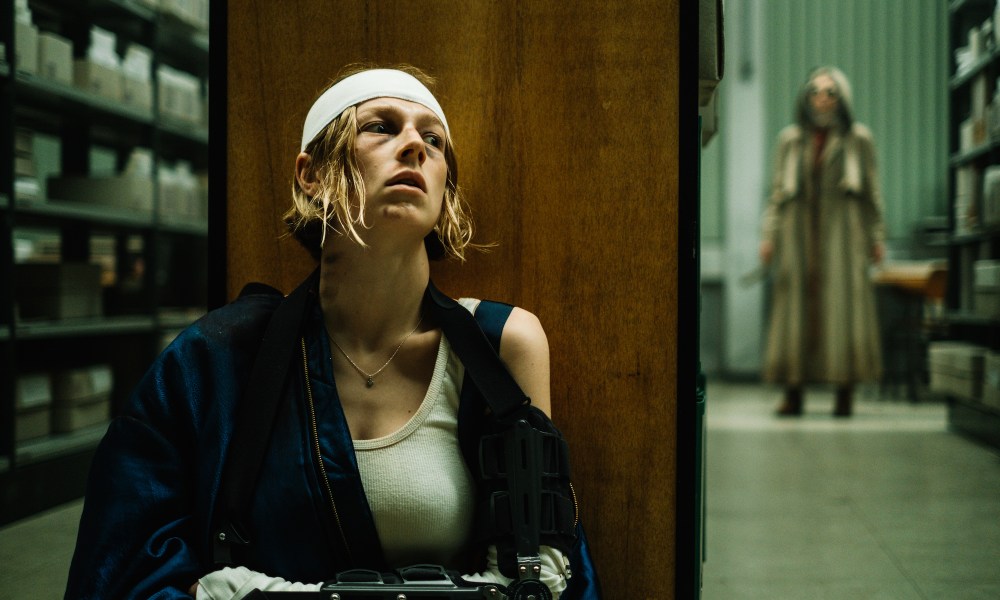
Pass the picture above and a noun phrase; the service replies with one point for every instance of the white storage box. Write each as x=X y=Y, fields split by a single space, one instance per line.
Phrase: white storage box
x=74 y=384
x=991 y=379
x=956 y=368
x=55 y=57
x=26 y=47
x=137 y=93
x=137 y=87
x=33 y=399
x=986 y=288
x=986 y=273
x=179 y=95
x=81 y=398
x=98 y=79
x=991 y=190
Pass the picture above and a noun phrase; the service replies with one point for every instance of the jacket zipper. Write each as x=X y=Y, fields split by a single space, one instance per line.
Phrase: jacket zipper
x=319 y=456
x=576 y=506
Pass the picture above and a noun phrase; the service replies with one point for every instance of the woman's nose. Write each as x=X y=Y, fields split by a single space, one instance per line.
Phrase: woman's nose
x=412 y=147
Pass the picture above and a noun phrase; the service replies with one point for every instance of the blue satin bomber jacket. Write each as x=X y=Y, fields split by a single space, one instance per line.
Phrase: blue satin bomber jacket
x=145 y=529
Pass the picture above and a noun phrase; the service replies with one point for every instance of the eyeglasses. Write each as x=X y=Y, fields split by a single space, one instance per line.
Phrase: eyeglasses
x=831 y=93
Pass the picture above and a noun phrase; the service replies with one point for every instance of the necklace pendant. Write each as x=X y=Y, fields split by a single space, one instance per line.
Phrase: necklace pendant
x=370 y=381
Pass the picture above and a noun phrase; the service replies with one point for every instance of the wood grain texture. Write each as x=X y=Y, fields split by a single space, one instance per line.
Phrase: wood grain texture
x=565 y=122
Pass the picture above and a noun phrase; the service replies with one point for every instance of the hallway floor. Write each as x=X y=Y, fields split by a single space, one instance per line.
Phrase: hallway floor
x=887 y=504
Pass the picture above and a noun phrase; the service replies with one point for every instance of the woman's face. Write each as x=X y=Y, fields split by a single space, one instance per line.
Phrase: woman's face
x=400 y=151
x=824 y=97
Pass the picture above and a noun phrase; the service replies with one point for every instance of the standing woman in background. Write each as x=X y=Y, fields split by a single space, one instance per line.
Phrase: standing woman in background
x=822 y=230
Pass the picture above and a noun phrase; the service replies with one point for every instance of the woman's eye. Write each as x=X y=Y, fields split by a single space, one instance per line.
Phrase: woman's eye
x=432 y=139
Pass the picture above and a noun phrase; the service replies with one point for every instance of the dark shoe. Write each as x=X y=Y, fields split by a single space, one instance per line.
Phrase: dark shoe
x=845 y=403
x=792 y=406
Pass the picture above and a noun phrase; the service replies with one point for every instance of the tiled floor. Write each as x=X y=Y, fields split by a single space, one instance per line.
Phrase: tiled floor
x=35 y=554
x=887 y=504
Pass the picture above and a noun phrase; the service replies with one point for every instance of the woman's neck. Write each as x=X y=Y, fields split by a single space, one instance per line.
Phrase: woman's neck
x=370 y=299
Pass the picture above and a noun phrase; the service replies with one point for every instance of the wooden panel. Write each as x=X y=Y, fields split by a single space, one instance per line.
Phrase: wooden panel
x=565 y=121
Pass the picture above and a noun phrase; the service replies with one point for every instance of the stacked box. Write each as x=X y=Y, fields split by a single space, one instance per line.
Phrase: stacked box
x=968 y=187
x=33 y=398
x=179 y=95
x=100 y=72
x=991 y=379
x=81 y=398
x=25 y=171
x=956 y=369
x=58 y=290
x=137 y=85
x=134 y=194
x=986 y=288
x=55 y=57
x=182 y=197
x=26 y=46
x=990 y=211
x=97 y=79
x=192 y=12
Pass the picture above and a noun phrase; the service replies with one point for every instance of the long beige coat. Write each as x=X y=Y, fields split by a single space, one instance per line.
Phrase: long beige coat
x=823 y=227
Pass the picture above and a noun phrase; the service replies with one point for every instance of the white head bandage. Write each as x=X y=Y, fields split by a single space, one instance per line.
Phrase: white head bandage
x=377 y=83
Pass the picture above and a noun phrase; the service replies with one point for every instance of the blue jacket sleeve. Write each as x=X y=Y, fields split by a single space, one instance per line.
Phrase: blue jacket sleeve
x=144 y=528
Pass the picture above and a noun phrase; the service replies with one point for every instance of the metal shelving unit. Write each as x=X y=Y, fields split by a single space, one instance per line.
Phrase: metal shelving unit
x=968 y=416
x=168 y=289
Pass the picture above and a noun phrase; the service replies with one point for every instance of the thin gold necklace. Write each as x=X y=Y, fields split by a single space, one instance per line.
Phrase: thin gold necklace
x=370 y=377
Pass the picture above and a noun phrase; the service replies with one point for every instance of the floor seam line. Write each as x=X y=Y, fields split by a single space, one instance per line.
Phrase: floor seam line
x=873 y=531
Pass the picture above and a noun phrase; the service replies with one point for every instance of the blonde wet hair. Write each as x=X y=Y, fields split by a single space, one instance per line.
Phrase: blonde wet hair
x=338 y=206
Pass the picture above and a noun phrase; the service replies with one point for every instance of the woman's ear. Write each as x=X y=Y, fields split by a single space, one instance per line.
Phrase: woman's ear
x=305 y=175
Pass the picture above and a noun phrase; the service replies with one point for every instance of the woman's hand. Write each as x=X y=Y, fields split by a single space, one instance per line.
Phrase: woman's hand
x=766 y=252
x=234 y=583
x=878 y=252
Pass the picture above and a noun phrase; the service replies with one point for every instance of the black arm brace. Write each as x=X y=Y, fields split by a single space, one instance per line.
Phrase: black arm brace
x=526 y=492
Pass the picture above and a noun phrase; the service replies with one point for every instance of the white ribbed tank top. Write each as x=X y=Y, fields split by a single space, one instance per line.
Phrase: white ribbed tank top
x=418 y=485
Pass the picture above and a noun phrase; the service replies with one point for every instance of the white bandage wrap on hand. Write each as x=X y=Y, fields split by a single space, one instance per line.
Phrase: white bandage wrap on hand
x=233 y=583
x=555 y=570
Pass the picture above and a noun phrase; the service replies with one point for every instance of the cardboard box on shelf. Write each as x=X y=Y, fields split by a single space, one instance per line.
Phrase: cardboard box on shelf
x=137 y=87
x=26 y=47
x=991 y=379
x=956 y=368
x=990 y=211
x=58 y=290
x=31 y=423
x=81 y=398
x=98 y=79
x=137 y=93
x=24 y=142
x=192 y=12
x=32 y=404
x=75 y=384
x=179 y=95
x=24 y=166
x=33 y=390
x=132 y=193
x=55 y=57
x=84 y=413
x=986 y=288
